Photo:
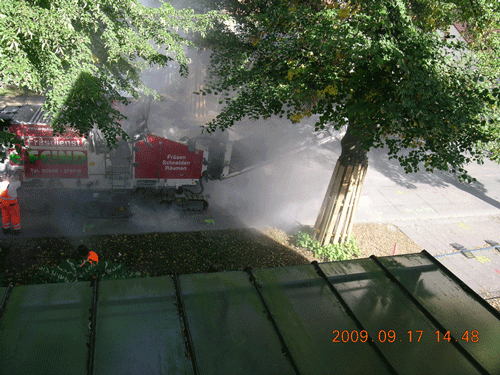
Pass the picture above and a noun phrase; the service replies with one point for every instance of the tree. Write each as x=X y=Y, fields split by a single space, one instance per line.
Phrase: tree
x=380 y=66
x=86 y=54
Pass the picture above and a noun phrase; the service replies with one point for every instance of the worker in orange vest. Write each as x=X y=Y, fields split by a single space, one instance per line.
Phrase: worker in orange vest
x=9 y=204
x=92 y=257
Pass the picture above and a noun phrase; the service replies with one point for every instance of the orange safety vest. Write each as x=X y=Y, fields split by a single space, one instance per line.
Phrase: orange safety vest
x=92 y=257
x=10 y=208
x=5 y=195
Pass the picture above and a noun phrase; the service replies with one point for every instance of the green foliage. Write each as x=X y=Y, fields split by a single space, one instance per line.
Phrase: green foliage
x=69 y=271
x=381 y=66
x=9 y=140
x=77 y=115
x=85 y=54
x=330 y=252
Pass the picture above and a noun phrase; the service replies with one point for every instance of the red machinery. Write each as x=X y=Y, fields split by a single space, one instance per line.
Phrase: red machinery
x=169 y=169
x=173 y=170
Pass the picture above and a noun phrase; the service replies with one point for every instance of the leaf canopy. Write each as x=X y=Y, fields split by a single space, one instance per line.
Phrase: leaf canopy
x=385 y=67
x=86 y=54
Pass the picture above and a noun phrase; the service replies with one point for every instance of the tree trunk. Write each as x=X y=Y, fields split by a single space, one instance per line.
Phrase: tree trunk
x=336 y=216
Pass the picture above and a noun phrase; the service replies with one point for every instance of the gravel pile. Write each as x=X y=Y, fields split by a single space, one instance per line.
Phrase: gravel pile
x=372 y=239
x=380 y=240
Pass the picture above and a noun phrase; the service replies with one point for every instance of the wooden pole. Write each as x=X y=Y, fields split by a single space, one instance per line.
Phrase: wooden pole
x=357 y=196
x=336 y=216
x=327 y=201
x=344 y=219
x=340 y=198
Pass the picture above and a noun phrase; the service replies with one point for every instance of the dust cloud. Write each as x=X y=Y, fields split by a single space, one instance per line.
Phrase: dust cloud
x=286 y=191
x=288 y=188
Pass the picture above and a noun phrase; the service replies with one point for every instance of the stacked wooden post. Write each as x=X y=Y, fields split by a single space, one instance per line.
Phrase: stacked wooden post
x=339 y=207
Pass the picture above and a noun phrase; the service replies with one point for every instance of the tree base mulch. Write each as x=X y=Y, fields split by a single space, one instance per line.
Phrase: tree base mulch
x=155 y=254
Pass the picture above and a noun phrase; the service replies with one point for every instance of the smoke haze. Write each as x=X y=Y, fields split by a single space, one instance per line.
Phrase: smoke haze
x=282 y=193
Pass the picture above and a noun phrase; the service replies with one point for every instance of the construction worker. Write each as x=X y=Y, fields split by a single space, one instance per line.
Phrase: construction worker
x=9 y=204
x=92 y=257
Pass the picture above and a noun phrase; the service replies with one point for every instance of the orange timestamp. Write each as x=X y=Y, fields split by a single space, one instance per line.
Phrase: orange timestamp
x=391 y=336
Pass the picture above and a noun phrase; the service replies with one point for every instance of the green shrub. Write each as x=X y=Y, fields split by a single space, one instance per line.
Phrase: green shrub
x=329 y=252
x=69 y=271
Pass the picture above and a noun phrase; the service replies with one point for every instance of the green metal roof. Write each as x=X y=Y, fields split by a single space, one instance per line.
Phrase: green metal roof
x=270 y=321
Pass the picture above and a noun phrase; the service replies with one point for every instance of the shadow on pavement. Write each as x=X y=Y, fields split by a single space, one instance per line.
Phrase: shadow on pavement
x=379 y=160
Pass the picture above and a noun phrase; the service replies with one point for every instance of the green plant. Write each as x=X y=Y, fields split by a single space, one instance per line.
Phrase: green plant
x=69 y=271
x=304 y=239
x=330 y=252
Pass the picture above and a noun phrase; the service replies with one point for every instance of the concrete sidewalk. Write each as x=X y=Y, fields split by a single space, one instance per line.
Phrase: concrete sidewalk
x=479 y=269
x=435 y=211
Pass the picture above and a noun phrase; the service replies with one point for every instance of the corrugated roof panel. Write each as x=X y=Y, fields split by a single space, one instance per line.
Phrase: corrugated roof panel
x=271 y=321
x=139 y=329
x=307 y=313
x=230 y=330
x=388 y=315
x=453 y=307
x=44 y=328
